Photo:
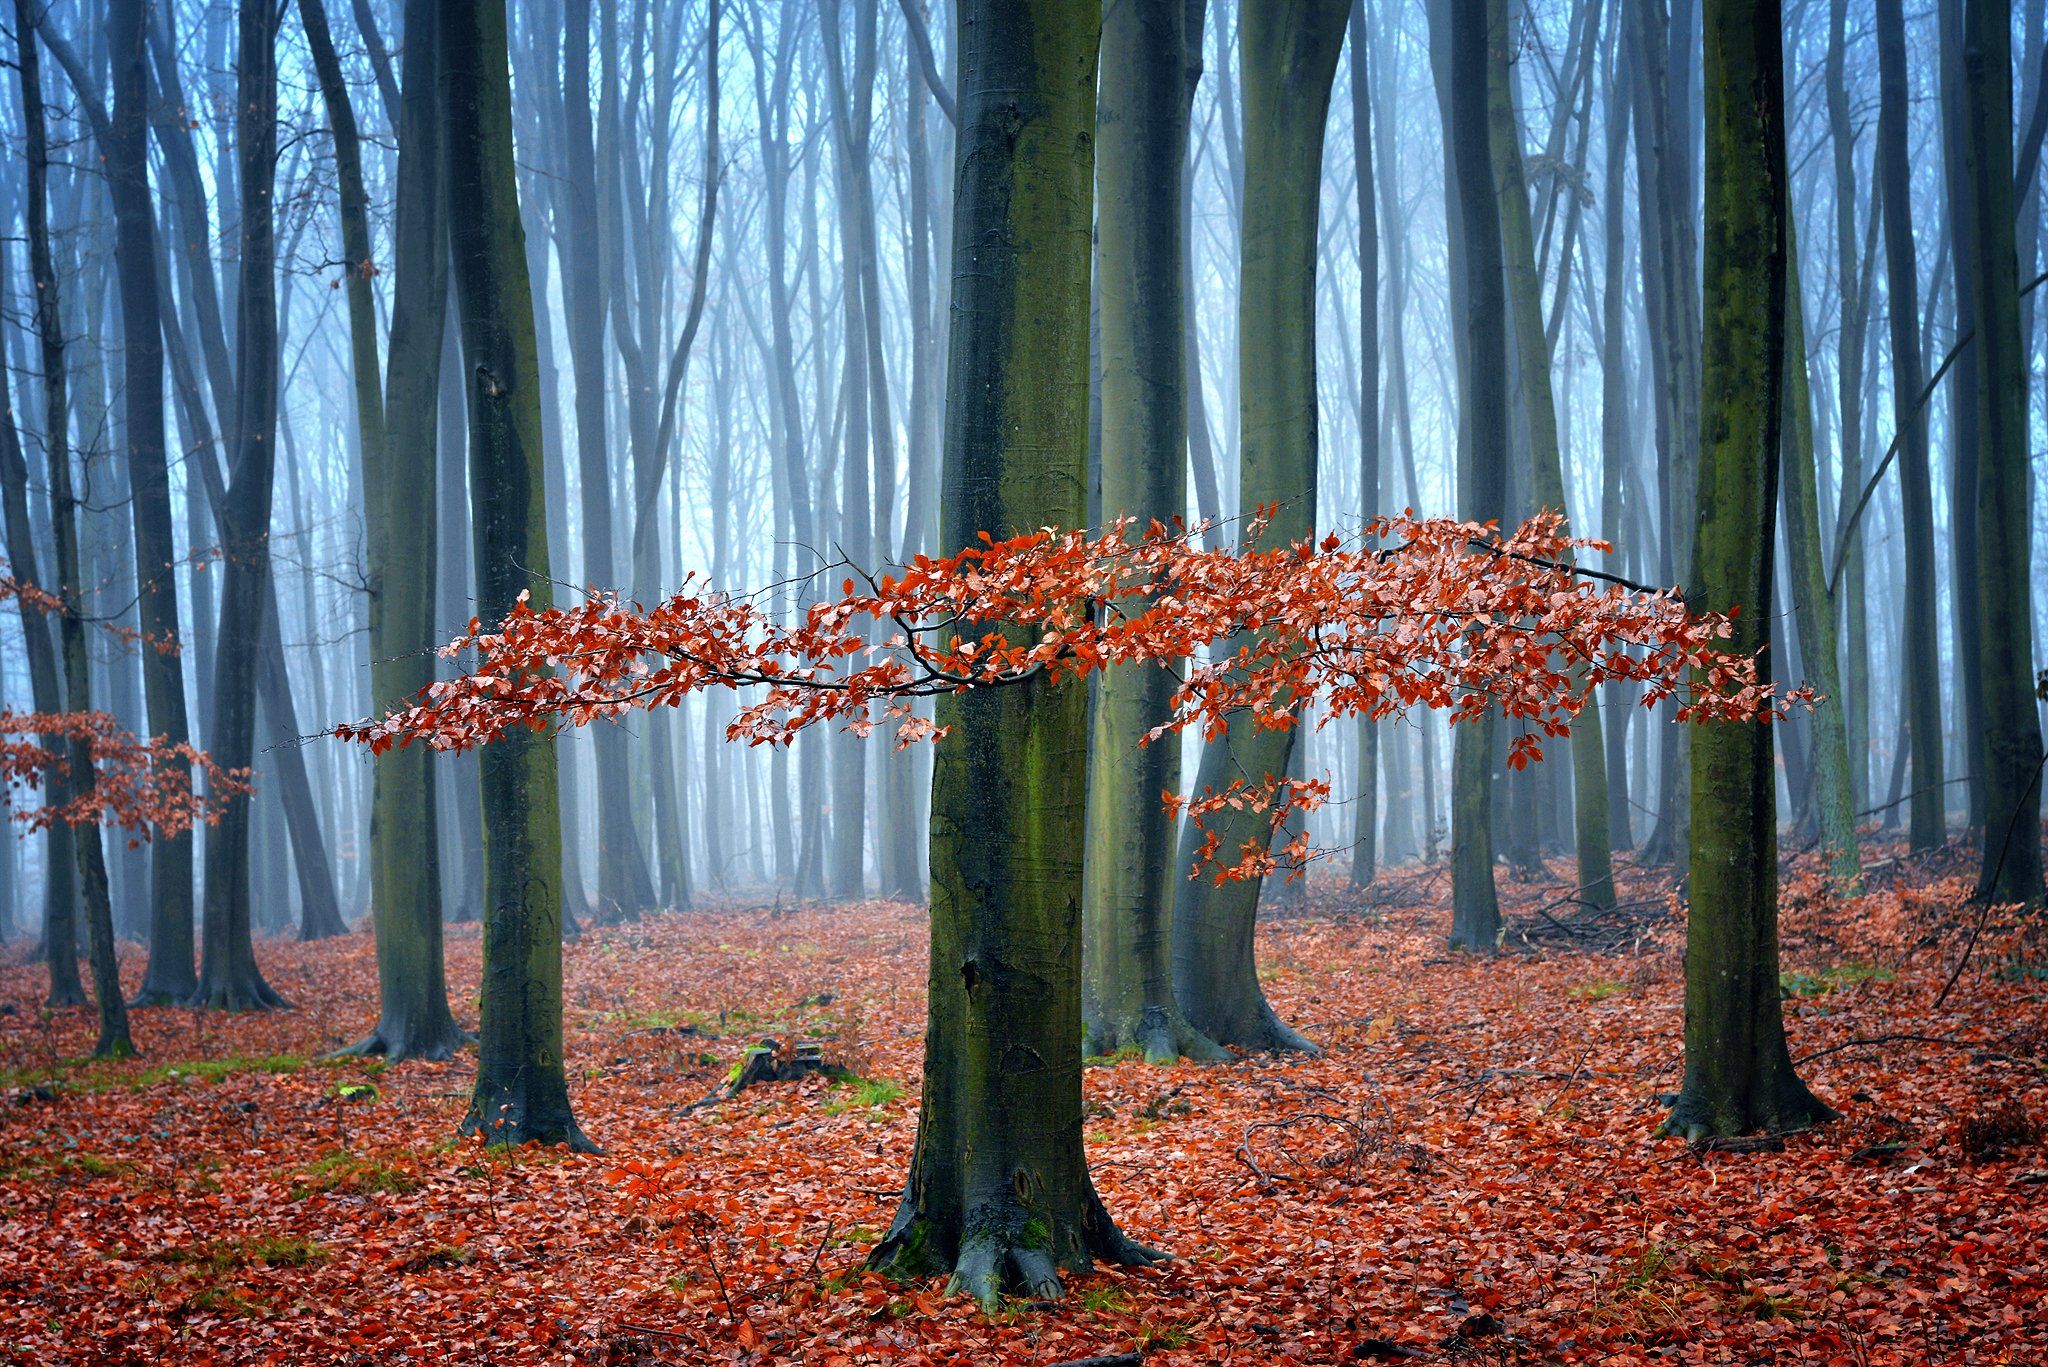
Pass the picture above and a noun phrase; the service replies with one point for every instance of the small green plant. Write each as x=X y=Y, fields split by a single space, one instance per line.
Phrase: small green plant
x=1164 y=1337
x=214 y=1069
x=869 y=1093
x=1104 y=1300
x=433 y=1256
x=1812 y=984
x=353 y=1175
x=1598 y=990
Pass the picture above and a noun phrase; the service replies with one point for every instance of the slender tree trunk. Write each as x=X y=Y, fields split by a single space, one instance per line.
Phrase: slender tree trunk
x=413 y=1019
x=1926 y=826
x=90 y=860
x=999 y=1191
x=1141 y=143
x=1365 y=851
x=46 y=689
x=2011 y=725
x=228 y=976
x=1289 y=53
x=1532 y=352
x=163 y=674
x=1738 y=1071
x=1482 y=448
x=1616 y=427
x=1834 y=806
x=521 y=1088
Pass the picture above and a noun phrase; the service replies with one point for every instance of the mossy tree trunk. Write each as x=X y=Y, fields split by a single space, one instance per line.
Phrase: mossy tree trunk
x=1926 y=826
x=1539 y=403
x=1482 y=447
x=228 y=976
x=1142 y=133
x=413 y=1019
x=999 y=1192
x=1738 y=1071
x=1288 y=54
x=522 y=1091
x=2011 y=726
x=1833 y=803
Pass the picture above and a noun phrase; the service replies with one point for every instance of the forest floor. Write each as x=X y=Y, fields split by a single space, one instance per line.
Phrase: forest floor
x=1467 y=1173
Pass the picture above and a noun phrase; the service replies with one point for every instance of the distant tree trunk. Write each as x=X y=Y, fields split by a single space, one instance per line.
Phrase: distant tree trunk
x=46 y=691
x=1834 y=806
x=1532 y=354
x=1288 y=53
x=1141 y=143
x=228 y=976
x=849 y=757
x=1963 y=538
x=90 y=860
x=163 y=674
x=413 y=1019
x=1482 y=448
x=623 y=885
x=1365 y=820
x=1617 y=431
x=1926 y=827
x=521 y=1091
x=2011 y=726
x=1738 y=1071
x=999 y=1192
x=1671 y=305
x=1853 y=281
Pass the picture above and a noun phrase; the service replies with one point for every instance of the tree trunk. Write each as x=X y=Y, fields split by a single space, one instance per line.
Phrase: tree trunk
x=1926 y=826
x=413 y=1019
x=521 y=1091
x=90 y=860
x=1532 y=353
x=1834 y=807
x=1617 y=429
x=623 y=885
x=2012 y=727
x=163 y=673
x=1365 y=852
x=46 y=693
x=228 y=976
x=1141 y=142
x=1738 y=1071
x=1289 y=56
x=999 y=1192
x=1482 y=448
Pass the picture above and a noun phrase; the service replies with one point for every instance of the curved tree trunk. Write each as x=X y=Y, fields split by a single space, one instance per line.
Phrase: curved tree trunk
x=1738 y=1071
x=1532 y=352
x=1288 y=52
x=999 y=1192
x=522 y=1092
x=413 y=1019
x=1142 y=133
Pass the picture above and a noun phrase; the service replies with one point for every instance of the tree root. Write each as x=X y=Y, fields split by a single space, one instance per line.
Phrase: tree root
x=397 y=1046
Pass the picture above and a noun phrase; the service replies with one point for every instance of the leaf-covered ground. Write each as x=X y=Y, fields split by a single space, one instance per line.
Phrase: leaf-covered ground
x=1468 y=1172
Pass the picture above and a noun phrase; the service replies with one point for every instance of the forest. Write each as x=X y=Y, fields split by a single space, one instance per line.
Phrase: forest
x=1087 y=682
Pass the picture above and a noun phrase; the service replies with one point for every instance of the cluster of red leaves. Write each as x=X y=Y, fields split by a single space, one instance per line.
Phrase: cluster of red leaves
x=139 y=785
x=1426 y=612
x=1469 y=1164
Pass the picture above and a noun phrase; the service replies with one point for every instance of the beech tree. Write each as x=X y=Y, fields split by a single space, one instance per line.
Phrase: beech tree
x=1738 y=1070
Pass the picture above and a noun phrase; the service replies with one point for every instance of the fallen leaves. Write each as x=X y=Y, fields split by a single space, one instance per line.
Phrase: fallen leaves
x=1469 y=1164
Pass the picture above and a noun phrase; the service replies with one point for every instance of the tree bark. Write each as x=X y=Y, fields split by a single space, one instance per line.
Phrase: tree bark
x=999 y=1192
x=1926 y=826
x=1738 y=1071
x=521 y=1090
x=2011 y=725
x=1288 y=53
x=1365 y=852
x=1141 y=142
